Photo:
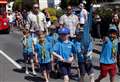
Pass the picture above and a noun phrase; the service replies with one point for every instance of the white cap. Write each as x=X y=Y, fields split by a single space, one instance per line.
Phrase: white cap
x=84 y=2
x=35 y=5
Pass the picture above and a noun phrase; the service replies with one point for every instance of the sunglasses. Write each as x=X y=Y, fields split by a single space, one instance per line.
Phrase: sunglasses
x=69 y=9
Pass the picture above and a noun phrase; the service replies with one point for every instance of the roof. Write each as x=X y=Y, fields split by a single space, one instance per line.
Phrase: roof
x=3 y=2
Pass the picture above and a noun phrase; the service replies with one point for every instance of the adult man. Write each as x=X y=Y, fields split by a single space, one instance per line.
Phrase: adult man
x=36 y=19
x=69 y=20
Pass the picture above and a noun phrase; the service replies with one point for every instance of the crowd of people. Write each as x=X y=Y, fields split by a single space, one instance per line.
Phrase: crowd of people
x=60 y=44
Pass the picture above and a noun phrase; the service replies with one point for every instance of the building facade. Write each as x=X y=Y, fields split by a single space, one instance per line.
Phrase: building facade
x=48 y=3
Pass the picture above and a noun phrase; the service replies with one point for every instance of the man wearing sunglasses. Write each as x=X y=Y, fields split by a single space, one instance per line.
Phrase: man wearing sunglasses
x=69 y=20
x=36 y=19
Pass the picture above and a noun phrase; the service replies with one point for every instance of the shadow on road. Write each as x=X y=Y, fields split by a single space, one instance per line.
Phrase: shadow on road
x=20 y=61
x=19 y=70
x=34 y=79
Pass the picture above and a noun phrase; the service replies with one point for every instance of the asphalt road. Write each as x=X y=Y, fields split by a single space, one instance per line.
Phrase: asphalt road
x=10 y=44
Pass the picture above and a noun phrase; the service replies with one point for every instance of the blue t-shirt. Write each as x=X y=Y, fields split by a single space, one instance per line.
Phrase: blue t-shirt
x=64 y=49
x=28 y=49
x=52 y=38
x=79 y=48
x=106 y=56
x=46 y=58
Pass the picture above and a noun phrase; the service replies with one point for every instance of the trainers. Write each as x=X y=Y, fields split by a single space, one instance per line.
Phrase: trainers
x=27 y=72
x=34 y=73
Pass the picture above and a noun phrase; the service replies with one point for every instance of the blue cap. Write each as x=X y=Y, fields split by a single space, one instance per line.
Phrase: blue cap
x=112 y=28
x=64 y=30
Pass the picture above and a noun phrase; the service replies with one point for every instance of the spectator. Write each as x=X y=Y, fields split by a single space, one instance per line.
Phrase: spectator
x=69 y=20
x=98 y=25
x=83 y=14
x=47 y=15
x=24 y=14
x=116 y=21
x=118 y=58
x=10 y=18
x=36 y=19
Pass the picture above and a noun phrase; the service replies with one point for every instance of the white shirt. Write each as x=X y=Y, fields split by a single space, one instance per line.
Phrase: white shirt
x=37 y=23
x=83 y=16
x=70 y=22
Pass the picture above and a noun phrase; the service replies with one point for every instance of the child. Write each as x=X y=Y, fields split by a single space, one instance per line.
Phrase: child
x=108 y=56
x=63 y=50
x=43 y=50
x=28 y=50
x=52 y=37
x=84 y=56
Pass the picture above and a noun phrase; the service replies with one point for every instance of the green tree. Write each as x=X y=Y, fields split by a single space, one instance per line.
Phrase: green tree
x=17 y=4
x=23 y=4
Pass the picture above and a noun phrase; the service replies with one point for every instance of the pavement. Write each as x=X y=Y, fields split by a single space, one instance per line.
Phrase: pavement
x=10 y=44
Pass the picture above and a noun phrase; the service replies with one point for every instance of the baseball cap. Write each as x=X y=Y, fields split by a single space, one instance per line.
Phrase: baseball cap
x=112 y=28
x=64 y=30
x=35 y=5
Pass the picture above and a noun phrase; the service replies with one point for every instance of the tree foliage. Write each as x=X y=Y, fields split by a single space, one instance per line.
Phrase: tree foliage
x=23 y=4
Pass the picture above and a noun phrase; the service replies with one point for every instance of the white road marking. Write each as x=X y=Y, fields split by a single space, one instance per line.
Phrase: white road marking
x=11 y=60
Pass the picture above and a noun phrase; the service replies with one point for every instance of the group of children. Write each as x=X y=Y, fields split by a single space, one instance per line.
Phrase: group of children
x=42 y=49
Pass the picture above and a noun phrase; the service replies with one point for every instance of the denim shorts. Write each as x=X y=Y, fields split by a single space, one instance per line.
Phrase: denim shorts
x=45 y=66
x=27 y=56
x=65 y=68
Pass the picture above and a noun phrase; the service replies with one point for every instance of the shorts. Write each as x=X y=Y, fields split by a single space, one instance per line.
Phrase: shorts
x=85 y=68
x=107 y=68
x=45 y=66
x=65 y=68
x=27 y=56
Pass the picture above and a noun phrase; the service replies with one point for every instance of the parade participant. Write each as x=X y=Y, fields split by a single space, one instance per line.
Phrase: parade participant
x=69 y=20
x=84 y=57
x=19 y=20
x=28 y=50
x=52 y=36
x=108 y=56
x=63 y=50
x=36 y=19
x=43 y=50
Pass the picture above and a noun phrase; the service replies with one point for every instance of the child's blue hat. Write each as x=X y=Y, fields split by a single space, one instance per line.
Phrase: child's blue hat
x=64 y=30
x=112 y=28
